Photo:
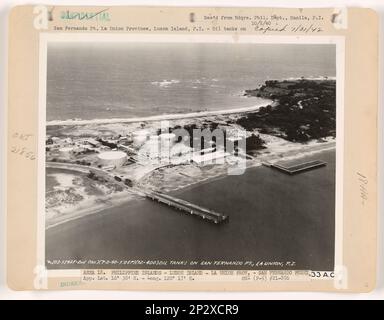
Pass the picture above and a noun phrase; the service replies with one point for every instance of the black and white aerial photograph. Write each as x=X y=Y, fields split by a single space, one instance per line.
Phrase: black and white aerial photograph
x=180 y=155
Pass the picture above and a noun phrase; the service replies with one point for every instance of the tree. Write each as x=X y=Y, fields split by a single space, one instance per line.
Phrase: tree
x=254 y=142
x=91 y=175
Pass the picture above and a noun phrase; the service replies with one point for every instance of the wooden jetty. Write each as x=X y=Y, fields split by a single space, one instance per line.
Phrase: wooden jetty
x=188 y=207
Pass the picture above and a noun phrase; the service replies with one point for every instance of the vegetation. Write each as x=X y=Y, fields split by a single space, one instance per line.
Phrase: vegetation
x=254 y=142
x=303 y=109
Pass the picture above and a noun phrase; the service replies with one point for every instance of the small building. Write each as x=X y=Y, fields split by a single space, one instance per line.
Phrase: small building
x=92 y=142
x=127 y=149
x=108 y=168
x=209 y=158
x=207 y=150
x=167 y=137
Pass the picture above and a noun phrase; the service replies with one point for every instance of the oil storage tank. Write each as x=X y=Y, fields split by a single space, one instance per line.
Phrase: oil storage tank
x=114 y=158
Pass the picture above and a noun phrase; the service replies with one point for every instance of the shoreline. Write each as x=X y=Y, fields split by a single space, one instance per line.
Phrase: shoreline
x=277 y=148
x=271 y=206
x=175 y=116
x=249 y=167
x=93 y=209
x=178 y=116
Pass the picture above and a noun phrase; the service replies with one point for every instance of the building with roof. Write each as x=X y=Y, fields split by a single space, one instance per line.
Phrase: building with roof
x=209 y=158
x=65 y=152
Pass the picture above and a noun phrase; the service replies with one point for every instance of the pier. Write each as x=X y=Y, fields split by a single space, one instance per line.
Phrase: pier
x=176 y=203
x=187 y=207
x=298 y=168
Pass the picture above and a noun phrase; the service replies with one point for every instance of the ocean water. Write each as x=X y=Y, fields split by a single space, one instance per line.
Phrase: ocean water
x=113 y=80
x=272 y=217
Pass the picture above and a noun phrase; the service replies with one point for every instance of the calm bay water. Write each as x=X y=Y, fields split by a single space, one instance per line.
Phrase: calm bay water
x=104 y=80
x=273 y=217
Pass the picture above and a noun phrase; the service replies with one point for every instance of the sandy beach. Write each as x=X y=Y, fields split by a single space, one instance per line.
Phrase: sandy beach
x=91 y=207
x=161 y=117
x=180 y=177
x=90 y=198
